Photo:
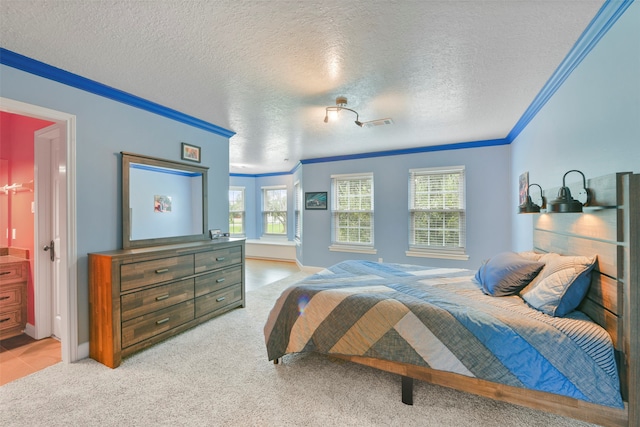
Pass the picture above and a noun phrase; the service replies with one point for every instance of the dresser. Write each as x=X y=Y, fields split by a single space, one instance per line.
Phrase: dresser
x=14 y=274
x=139 y=297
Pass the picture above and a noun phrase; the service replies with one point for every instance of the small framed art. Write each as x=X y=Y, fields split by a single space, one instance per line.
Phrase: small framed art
x=190 y=152
x=523 y=187
x=315 y=200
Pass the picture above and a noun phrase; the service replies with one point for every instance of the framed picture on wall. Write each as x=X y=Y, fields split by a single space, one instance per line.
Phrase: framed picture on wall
x=523 y=187
x=315 y=200
x=190 y=152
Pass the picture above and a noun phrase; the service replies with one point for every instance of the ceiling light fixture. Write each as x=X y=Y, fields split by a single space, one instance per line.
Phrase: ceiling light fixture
x=341 y=103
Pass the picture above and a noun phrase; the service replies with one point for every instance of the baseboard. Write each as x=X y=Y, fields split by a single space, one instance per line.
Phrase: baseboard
x=308 y=268
x=83 y=350
x=30 y=330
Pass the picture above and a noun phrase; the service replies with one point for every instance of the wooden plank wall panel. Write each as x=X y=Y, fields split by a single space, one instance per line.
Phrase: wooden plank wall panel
x=603 y=230
x=606 y=291
x=607 y=252
x=632 y=300
x=599 y=224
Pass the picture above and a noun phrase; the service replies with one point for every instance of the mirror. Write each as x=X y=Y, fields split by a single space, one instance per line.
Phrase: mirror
x=163 y=202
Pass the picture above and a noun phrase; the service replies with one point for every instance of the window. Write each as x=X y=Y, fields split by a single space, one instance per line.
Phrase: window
x=297 y=194
x=352 y=213
x=437 y=213
x=274 y=210
x=236 y=211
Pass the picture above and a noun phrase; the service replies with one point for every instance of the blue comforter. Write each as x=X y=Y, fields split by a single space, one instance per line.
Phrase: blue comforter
x=440 y=318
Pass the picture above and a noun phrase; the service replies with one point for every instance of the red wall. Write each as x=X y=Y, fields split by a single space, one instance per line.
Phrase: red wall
x=16 y=146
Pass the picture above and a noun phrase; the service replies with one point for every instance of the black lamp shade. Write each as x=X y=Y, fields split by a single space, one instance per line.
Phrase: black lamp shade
x=528 y=207
x=564 y=203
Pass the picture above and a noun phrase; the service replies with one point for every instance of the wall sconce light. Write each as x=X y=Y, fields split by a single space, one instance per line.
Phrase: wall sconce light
x=332 y=112
x=564 y=203
x=528 y=206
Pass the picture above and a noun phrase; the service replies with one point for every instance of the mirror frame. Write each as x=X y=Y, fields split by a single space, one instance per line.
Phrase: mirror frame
x=127 y=243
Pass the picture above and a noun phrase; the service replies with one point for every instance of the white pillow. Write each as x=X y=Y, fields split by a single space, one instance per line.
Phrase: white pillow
x=561 y=285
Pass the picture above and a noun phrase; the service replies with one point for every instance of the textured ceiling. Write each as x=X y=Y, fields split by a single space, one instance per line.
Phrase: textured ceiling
x=444 y=71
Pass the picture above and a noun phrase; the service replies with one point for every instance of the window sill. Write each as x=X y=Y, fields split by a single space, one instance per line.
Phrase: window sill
x=271 y=241
x=353 y=249
x=439 y=255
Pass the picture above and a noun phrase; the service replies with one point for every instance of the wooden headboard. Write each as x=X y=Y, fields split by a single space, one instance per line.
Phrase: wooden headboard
x=608 y=228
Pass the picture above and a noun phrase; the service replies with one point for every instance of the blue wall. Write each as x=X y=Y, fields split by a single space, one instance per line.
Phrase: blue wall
x=104 y=128
x=592 y=123
x=488 y=183
x=487 y=195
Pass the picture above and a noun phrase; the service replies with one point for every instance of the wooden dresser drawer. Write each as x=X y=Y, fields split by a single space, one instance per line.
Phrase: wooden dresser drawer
x=13 y=272
x=219 y=258
x=217 y=280
x=153 y=299
x=144 y=273
x=217 y=300
x=139 y=297
x=11 y=295
x=11 y=319
x=144 y=327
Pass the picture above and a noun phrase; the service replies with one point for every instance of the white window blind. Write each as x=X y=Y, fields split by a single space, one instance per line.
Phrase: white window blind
x=437 y=211
x=236 y=211
x=274 y=210
x=352 y=210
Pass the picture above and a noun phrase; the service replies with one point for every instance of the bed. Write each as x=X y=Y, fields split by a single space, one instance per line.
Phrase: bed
x=447 y=327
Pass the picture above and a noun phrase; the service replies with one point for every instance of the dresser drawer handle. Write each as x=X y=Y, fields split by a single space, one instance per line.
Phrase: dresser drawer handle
x=220 y=258
x=160 y=322
x=2 y=273
x=161 y=270
x=220 y=280
x=220 y=299
x=162 y=297
x=4 y=298
x=5 y=319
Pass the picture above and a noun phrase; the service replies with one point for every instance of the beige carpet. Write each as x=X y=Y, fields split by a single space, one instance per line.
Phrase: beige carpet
x=217 y=374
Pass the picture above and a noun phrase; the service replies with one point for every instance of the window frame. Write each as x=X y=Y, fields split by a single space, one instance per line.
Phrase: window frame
x=356 y=247
x=243 y=211
x=266 y=212
x=457 y=252
x=297 y=213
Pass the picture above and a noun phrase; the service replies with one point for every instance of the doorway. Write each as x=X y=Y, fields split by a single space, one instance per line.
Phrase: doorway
x=54 y=309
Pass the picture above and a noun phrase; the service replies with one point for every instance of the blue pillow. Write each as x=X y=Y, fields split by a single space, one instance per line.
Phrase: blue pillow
x=562 y=285
x=506 y=274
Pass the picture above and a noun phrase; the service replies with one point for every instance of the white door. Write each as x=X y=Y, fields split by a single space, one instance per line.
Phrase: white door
x=50 y=245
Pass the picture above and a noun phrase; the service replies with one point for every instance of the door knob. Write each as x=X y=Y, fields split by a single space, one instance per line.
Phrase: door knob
x=51 y=247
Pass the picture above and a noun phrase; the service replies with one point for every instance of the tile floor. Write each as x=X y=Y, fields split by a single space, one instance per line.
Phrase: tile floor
x=22 y=355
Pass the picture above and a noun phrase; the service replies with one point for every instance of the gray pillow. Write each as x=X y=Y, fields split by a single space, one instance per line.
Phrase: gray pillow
x=506 y=274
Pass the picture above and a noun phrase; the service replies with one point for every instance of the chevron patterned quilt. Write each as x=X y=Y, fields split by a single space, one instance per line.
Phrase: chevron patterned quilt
x=440 y=318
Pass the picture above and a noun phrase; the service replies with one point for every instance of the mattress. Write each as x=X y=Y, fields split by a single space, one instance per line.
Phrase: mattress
x=441 y=319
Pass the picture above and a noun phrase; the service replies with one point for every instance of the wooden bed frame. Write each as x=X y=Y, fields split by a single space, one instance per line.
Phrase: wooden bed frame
x=610 y=228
